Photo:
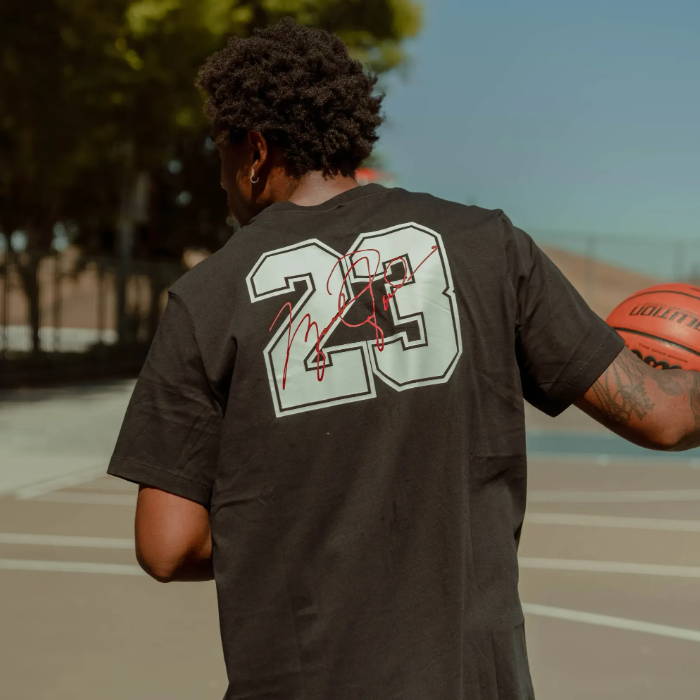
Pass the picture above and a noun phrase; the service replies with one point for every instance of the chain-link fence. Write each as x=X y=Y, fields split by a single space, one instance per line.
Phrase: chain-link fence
x=65 y=314
x=68 y=315
x=608 y=268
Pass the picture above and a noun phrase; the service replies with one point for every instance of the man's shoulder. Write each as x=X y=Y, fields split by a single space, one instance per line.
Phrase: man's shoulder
x=471 y=215
x=212 y=277
x=207 y=277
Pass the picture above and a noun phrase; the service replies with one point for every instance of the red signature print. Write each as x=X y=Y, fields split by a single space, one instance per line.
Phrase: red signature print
x=354 y=260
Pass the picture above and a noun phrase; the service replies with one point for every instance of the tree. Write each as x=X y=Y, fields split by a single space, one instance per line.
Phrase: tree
x=102 y=105
x=53 y=126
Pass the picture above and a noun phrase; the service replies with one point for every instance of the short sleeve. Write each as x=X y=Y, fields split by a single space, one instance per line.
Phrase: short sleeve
x=562 y=345
x=170 y=434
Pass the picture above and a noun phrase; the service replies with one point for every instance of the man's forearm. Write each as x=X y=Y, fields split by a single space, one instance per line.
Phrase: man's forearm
x=655 y=408
x=677 y=394
x=691 y=437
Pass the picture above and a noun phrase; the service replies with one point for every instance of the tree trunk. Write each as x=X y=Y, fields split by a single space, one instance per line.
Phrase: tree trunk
x=29 y=277
x=134 y=210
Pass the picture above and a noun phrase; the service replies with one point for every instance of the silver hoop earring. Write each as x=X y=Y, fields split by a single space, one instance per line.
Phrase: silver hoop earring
x=254 y=179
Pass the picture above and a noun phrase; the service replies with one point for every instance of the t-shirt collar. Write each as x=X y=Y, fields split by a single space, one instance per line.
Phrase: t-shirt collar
x=332 y=203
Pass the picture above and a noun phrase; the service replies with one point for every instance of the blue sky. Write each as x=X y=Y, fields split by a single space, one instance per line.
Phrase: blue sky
x=572 y=117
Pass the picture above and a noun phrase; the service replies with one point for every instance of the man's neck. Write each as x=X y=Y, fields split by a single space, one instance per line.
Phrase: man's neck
x=315 y=188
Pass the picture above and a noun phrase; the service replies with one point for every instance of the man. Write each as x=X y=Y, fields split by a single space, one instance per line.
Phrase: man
x=329 y=422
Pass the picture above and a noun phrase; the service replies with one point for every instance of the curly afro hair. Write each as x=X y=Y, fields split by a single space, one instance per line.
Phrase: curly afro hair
x=299 y=87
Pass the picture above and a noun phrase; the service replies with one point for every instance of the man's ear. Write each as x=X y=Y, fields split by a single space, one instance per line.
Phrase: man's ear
x=259 y=150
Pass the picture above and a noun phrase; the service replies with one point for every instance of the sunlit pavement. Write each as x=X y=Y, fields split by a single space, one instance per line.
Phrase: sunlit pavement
x=50 y=436
x=609 y=567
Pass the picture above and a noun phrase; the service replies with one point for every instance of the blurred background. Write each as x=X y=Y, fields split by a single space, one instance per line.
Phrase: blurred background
x=109 y=181
x=579 y=120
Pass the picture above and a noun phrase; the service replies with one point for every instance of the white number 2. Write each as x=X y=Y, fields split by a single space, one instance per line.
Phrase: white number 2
x=409 y=264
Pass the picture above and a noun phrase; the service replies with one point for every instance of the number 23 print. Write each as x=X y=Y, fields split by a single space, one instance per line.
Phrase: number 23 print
x=305 y=372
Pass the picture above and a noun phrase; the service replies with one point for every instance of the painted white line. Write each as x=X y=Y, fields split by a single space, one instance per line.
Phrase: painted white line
x=79 y=567
x=612 y=521
x=102 y=499
x=65 y=541
x=655 y=459
x=622 y=623
x=49 y=485
x=563 y=496
x=609 y=567
x=109 y=486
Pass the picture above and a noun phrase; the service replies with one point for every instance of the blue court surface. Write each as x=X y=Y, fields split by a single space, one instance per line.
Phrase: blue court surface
x=545 y=443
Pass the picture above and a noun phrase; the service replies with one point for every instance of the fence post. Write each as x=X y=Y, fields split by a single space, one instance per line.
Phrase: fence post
x=56 y=306
x=5 y=302
x=100 y=300
x=678 y=259
x=590 y=268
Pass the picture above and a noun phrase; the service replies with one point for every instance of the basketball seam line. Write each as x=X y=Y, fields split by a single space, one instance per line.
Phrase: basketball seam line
x=662 y=291
x=656 y=337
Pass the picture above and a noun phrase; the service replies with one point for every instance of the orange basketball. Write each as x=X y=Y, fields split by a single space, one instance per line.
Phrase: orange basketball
x=661 y=324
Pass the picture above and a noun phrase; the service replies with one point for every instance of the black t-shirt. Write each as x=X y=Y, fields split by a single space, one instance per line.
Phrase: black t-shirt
x=342 y=386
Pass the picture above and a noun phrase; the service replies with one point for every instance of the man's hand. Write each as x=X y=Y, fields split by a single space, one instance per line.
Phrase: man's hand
x=654 y=408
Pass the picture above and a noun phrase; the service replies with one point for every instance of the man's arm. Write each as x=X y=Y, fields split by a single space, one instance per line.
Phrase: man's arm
x=173 y=538
x=654 y=408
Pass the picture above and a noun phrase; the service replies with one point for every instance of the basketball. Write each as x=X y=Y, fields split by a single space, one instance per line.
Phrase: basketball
x=661 y=324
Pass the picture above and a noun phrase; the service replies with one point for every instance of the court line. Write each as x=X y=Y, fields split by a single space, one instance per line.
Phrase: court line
x=44 y=486
x=564 y=496
x=524 y=562
x=655 y=459
x=103 y=499
x=612 y=621
x=66 y=540
x=609 y=567
x=529 y=608
x=613 y=521
x=80 y=567
x=550 y=496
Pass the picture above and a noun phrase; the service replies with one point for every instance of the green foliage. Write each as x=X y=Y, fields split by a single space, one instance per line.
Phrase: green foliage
x=96 y=91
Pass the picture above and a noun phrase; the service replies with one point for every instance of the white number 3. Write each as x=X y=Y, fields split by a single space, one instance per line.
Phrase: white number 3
x=409 y=264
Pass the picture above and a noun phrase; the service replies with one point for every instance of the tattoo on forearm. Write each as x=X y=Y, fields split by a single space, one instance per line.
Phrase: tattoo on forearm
x=692 y=393
x=667 y=399
x=621 y=390
x=695 y=399
x=669 y=382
